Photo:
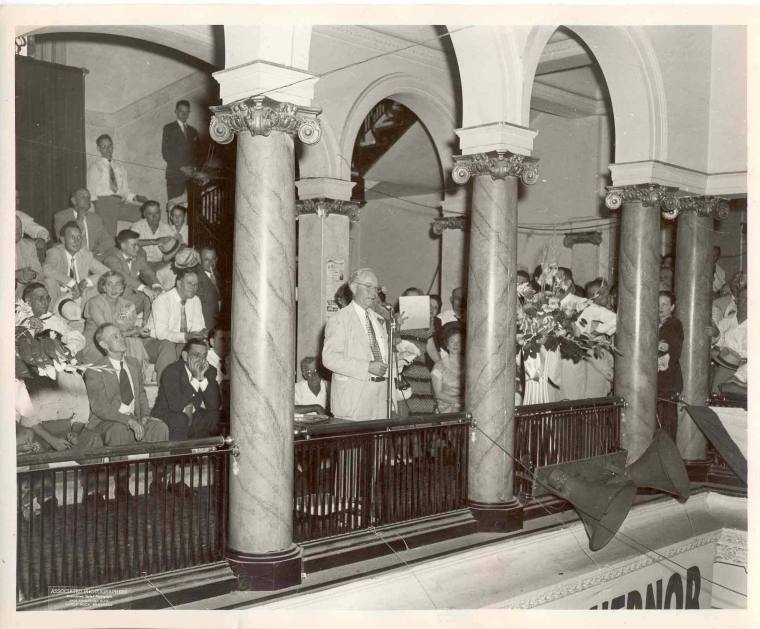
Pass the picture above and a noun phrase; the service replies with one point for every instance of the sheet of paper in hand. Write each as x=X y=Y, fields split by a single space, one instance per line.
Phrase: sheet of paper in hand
x=416 y=311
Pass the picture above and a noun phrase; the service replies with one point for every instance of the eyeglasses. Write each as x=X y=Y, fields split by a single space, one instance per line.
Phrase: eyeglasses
x=377 y=289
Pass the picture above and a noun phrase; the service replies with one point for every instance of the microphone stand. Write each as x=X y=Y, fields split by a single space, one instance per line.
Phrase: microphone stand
x=391 y=349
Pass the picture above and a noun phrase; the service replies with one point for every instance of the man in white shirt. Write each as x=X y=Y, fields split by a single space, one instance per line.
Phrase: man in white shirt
x=355 y=350
x=311 y=392
x=151 y=231
x=176 y=318
x=107 y=182
x=30 y=227
x=28 y=267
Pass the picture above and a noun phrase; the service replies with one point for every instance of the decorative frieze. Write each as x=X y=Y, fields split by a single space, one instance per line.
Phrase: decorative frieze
x=498 y=164
x=582 y=238
x=260 y=115
x=440 y=225
x=664 y=197
x=324 y=207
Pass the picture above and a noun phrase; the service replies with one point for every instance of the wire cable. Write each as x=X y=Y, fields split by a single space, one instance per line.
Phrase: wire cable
x=627 y=539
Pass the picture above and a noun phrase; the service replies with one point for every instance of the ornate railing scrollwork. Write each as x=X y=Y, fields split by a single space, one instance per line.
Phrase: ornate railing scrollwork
x=498 y=164
x=324 y=207
x=440 y=225
x=260 y=115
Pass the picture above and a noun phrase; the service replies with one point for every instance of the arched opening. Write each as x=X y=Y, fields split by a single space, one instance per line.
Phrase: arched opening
x=398 y=172
x=571 y=109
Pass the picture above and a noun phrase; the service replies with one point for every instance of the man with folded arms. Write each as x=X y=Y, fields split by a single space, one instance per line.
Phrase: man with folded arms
x=120 y=411
x=94 y=234
x=176 y=318
x=355 y=350
x=152 y=233
x=107 y=181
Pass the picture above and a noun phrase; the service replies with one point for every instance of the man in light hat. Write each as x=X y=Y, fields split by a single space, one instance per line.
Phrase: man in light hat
x=184 y=258
x=152 y=233
x=141 y=283
x=177 y=317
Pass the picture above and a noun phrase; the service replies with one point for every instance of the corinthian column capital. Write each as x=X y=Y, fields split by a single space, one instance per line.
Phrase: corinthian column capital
x=324 y=207
x=260 y=115
x=716 y=207
x=498 y=164
x=648 y=194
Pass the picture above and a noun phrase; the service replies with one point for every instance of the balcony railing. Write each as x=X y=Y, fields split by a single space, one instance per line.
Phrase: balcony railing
x=546 y=434
x=351 y=476
x=126 y=514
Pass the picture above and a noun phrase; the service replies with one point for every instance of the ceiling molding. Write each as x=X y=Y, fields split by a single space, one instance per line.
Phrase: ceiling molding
x=560 y=102
x=382 y=42
x=561 y=55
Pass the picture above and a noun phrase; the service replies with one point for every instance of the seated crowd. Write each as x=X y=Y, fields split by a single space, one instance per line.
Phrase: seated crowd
x=138 y=308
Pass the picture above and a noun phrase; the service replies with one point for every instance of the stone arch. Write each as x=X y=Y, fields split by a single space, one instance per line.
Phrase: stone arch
x=634 y=81
x=205 y=43
x=414 y=93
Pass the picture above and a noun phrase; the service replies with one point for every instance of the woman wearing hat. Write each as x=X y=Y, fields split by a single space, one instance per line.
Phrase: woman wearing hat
x=109 y=306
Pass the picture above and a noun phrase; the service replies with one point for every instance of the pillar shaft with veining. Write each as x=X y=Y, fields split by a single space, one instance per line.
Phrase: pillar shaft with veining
x=637 y=325
x=694 y=278
x=263 y=336
x=491 y=320
x=637 y=321
x=490 y=375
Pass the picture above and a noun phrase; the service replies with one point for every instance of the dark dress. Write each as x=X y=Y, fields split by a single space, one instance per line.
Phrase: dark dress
x=670 y=381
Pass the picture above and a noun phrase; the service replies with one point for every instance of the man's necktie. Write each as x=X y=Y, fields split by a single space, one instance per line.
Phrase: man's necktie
x=73 y=269
x=183 y=317
x=373 y=344
x=112 y=175
x=124 y=386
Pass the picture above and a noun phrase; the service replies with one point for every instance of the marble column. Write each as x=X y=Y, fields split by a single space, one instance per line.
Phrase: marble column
x=637 y=323
x=491 y=317
x=260 y=538
x=693 y=280
x=323 y=237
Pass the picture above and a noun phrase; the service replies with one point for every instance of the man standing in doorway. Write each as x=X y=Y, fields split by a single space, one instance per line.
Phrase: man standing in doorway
x=180 y=148
x=107 y=183
x=355 y=350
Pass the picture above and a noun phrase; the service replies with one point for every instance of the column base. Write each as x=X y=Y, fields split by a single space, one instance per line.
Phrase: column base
x=266 y=571
x=501 y=517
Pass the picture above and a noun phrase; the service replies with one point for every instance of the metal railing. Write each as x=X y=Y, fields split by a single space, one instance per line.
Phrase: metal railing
x=133 y=511
x=557 y=432
x=356 y=475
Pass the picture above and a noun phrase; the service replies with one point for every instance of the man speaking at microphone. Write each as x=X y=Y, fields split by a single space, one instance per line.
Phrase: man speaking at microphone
x=356 y=351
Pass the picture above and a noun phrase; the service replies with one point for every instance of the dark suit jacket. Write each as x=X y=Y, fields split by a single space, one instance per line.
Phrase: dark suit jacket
x=175 y=392
x=178 y=150
x=141 y=272
x=670 y=381
x=99 y=241
x=105 y=395
x=208 y=293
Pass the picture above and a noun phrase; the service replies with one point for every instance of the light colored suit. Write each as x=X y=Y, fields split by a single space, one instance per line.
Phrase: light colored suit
x=347 y=354
x=94 y=237
x=56 y=271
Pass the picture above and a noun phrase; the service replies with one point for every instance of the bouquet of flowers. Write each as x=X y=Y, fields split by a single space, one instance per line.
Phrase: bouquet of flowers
x=39 y=350
x=542 y=322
